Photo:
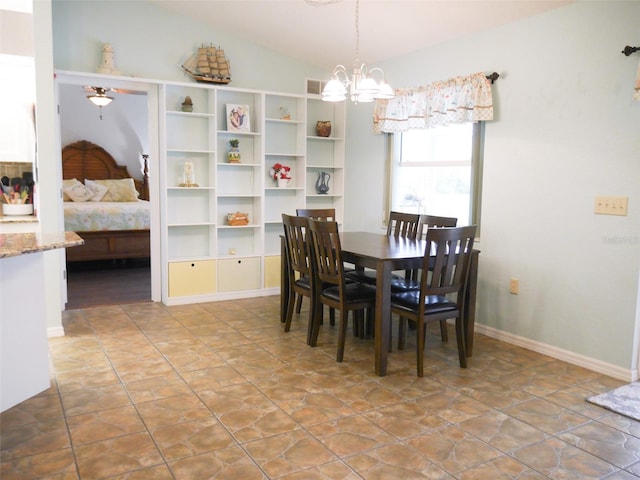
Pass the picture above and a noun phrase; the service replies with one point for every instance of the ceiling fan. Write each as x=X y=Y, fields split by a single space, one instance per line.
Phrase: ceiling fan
x=100 y=98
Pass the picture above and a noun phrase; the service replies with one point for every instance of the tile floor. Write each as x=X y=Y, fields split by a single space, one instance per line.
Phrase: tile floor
x=217 y=390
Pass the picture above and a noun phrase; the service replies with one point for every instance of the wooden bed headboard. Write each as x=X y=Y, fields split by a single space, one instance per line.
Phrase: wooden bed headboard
x=84 y=160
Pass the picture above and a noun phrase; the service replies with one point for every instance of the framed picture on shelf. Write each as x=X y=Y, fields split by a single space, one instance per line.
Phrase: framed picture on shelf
x=238 y=118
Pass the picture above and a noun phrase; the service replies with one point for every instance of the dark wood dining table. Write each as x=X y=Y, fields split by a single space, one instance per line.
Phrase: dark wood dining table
x=385 y=254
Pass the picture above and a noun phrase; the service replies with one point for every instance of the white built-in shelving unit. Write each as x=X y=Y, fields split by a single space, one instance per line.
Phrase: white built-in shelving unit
x=203 y=257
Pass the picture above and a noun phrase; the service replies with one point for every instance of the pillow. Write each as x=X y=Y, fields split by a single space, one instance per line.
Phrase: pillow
x=120 y=190
x=69 y=182
x=99 y=191
x=78 y=192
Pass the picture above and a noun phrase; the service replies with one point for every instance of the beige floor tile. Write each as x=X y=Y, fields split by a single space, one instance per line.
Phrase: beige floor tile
x=117 y=456
x=546 y=416
x=94 y=399
x=452 y=449
x=396 y=461
x=191 y=438
x=218 y=390
x=173 y=410
x=557 y=459
x=613 y=446
x=229 y=463
x=33 y=438
x=104 y=424
x=287 y=453
x=55 y=465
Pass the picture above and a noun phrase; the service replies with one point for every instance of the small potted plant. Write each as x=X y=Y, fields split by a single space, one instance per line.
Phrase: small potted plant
x=233 y=155
x=281 y=174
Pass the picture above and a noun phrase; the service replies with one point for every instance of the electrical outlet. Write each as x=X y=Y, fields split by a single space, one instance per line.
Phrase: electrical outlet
x=514 y=286
x=611 y=205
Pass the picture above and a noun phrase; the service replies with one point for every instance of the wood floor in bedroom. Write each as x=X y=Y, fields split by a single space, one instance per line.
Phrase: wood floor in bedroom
x=91 y=284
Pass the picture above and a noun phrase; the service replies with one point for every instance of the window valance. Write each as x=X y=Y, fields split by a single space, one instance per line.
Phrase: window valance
x=458 y=100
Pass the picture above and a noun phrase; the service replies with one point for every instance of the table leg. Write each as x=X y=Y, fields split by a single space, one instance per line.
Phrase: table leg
x=383 y=317
x=470 y=302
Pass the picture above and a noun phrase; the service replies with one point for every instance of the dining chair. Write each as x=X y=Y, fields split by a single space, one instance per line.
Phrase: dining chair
x=434 y=221
x=411 y=280
x=347 y=297
x=399 y=225
x=317 y=213
x=299 y=268
x=441 y=296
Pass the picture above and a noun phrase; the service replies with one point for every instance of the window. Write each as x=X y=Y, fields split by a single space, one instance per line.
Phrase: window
x=438 y=171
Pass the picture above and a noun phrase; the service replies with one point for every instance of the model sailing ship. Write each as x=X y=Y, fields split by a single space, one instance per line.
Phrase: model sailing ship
x=209 y=65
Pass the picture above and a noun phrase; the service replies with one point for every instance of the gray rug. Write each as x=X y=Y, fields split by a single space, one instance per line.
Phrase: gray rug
x=624 y=400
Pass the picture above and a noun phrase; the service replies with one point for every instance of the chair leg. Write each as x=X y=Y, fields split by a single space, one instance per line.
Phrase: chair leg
x=402 y=331
x=332 y=316
x=316 y=320
x=344 y=318
x=420 y=330
x=299 y=304
x=444 y=332
x=462 y=350
x=290 y=305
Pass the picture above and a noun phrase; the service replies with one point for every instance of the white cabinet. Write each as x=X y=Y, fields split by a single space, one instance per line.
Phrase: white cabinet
x=200 y=186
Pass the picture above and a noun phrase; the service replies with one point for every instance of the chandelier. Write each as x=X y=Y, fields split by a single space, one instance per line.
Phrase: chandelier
x=361 y=86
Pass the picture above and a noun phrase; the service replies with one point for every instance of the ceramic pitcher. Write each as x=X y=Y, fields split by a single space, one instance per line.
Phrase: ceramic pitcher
x=322 y=184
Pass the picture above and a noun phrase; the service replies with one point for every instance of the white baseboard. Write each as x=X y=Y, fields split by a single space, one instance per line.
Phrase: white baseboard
x=55 y=331
x=560 y=354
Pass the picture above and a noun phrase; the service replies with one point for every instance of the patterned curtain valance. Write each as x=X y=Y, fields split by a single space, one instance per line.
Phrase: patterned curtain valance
x=458 y=100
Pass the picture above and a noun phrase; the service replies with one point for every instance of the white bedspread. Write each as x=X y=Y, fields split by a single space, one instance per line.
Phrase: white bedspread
x=101 y=216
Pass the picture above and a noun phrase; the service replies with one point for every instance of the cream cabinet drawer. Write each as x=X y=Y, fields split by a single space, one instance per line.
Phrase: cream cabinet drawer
x=192 y=278
x=272 y=271
x=238 y=274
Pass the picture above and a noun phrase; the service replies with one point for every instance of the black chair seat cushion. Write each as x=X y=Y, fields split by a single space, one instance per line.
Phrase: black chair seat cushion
x=399 y=285
x=354 y=292
x=433 y=303
x=303 y=283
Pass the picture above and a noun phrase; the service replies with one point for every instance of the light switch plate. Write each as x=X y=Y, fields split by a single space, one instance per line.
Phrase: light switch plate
x=611 y=205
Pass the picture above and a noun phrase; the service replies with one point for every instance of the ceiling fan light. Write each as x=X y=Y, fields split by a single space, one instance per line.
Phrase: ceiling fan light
x=100 y=100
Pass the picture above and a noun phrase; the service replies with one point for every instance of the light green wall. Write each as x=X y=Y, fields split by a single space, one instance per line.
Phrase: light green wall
x=151 y=43
x=565 y=131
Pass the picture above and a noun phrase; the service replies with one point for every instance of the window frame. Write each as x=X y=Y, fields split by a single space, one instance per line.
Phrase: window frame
x=393 y=145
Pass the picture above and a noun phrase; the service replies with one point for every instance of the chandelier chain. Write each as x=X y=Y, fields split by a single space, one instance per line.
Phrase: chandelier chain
x=357 y=31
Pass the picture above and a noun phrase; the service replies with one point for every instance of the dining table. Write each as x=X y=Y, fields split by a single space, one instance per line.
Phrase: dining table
x=385 y=254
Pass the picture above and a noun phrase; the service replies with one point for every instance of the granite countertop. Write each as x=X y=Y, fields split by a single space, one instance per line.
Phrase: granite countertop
x=18 y=218
x=14 y=244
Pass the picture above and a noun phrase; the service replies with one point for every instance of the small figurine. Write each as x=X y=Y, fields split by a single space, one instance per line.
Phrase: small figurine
x=187 y=105
x=108 y=64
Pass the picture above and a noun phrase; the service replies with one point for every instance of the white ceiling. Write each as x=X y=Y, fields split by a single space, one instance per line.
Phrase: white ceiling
x=325 y=35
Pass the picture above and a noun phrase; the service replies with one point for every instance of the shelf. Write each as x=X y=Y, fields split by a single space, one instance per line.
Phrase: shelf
x=193 y=219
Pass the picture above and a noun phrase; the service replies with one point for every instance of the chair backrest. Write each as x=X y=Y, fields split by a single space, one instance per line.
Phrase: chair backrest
x=403 y=225
x=435 y=221
x=317 y=213
x=326 y=254
x=295 y=233
x=447 y=257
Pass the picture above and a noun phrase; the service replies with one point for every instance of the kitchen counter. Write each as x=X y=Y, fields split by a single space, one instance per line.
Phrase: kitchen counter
x=14 y=244
x=24 y=349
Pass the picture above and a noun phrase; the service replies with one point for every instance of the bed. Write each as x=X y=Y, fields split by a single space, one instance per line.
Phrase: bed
x=114 y=220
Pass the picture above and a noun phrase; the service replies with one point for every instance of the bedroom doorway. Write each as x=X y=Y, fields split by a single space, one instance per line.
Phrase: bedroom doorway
x=126 y=128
